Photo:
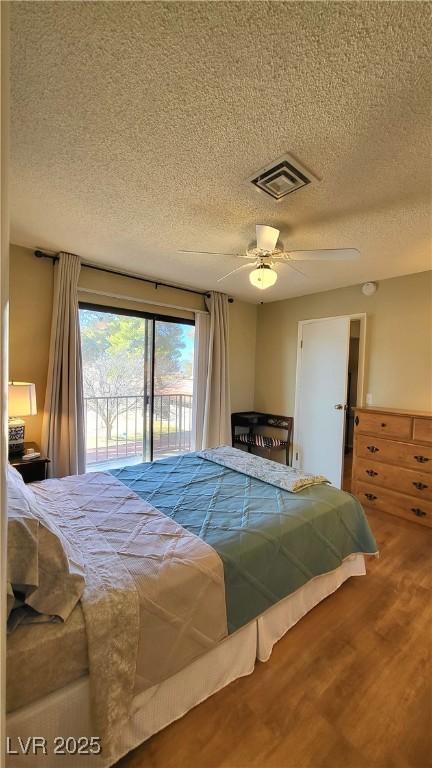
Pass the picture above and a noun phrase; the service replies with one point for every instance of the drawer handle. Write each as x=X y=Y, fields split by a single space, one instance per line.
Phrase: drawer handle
x=421 y=459
x=418 y=512
x=356 y=421
x=371 y=472
x=372 y=449
x=383 y=424
x=420 y=486
x=370 y=496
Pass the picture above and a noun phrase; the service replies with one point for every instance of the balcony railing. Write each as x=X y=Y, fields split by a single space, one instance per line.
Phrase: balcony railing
x=118 y=430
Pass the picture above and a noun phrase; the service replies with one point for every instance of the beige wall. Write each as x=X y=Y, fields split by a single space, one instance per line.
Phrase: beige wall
x=31 y=285
x=30 y=295
x=398 y=345
x=100 y=288
x=243 y=328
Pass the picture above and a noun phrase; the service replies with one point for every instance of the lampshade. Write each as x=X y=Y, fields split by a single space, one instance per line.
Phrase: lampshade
x=22 y=399
x=263 y=277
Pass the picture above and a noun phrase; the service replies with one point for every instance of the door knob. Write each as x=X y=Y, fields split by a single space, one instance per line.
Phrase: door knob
x=339 y=407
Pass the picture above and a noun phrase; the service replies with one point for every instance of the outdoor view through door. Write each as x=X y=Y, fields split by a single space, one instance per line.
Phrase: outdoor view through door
x=138 y=386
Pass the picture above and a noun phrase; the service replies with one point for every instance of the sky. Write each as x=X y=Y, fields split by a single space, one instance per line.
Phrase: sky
x=188 y=339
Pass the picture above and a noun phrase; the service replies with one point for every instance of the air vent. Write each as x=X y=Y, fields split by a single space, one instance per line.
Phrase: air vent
x=282 y=177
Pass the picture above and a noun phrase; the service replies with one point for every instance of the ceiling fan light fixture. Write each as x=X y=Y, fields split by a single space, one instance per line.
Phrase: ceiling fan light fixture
x=263 y=277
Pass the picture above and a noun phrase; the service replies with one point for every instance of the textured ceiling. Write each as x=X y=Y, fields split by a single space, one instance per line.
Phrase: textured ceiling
x=135 y=126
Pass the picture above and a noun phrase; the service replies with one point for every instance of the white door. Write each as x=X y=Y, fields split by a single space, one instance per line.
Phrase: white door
x=321 y=396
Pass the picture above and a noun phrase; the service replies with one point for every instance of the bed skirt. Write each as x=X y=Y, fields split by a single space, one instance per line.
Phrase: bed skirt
x=66 y=712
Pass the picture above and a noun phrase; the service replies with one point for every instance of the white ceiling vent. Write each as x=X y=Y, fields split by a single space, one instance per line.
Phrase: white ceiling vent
x=282 y=177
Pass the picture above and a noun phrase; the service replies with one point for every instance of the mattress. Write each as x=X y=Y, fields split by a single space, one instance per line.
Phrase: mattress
x=30 y=654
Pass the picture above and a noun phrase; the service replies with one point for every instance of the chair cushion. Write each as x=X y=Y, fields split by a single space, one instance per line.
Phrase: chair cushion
x=263 y=441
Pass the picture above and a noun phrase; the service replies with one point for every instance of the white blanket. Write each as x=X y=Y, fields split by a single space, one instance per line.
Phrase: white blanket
x=268 y=471
x=154 y=598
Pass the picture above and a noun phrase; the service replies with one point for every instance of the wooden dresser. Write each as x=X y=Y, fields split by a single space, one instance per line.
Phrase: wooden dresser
x=392 y=463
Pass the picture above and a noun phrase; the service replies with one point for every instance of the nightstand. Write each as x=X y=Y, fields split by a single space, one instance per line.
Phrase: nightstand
x=30 y=469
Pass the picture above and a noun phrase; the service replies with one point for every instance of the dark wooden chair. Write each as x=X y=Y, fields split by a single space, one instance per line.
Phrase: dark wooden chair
x=255 y=419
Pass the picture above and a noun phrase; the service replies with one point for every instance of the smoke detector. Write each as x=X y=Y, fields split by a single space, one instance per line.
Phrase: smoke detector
x=368 y=289
x=283 y=176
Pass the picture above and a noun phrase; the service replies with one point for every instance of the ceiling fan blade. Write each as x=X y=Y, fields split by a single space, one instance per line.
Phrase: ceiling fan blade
x=266 y=237
x=291 y=266
x=210 y=253
x=243 y=266
x=325 y=254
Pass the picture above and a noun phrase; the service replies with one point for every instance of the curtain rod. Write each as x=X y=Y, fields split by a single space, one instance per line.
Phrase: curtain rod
x=54 y=257
x=135 y=300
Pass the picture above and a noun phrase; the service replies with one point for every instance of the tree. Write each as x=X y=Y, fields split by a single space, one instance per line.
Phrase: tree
x=168 y=353
x=114 y=360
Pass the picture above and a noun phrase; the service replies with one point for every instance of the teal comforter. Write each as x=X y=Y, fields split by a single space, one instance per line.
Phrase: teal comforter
x=271 y=541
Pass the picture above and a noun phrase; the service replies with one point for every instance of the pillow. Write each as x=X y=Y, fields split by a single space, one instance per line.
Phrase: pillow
x=57 y=585
x=22 y=539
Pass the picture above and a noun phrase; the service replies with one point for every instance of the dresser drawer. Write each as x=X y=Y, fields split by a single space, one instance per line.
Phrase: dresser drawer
x=384 y=424
x=417 y=484
x=401 y=454
x=416 y=510
x=423 y=430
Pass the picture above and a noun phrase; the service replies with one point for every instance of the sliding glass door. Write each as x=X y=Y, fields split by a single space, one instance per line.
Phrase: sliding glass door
x=173 y=387
x=138 y=386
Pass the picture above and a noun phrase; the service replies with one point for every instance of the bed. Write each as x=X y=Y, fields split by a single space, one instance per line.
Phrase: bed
x=194 y=567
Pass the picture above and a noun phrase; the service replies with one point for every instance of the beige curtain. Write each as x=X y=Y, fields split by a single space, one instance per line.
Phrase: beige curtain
x=216 y=419
x=63 y=422
x=201 y=357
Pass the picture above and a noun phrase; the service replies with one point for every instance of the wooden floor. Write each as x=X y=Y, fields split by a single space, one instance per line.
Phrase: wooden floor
x=348 y=687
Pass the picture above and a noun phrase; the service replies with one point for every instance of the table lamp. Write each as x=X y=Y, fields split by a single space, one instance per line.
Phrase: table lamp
x=22 y=402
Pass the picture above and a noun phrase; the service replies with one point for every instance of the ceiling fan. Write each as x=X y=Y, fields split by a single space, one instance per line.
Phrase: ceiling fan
x=265 y=254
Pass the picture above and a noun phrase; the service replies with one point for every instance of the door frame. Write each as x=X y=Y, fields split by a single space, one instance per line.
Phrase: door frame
x=4 y=353
x=145 y=315
x=360 y=376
